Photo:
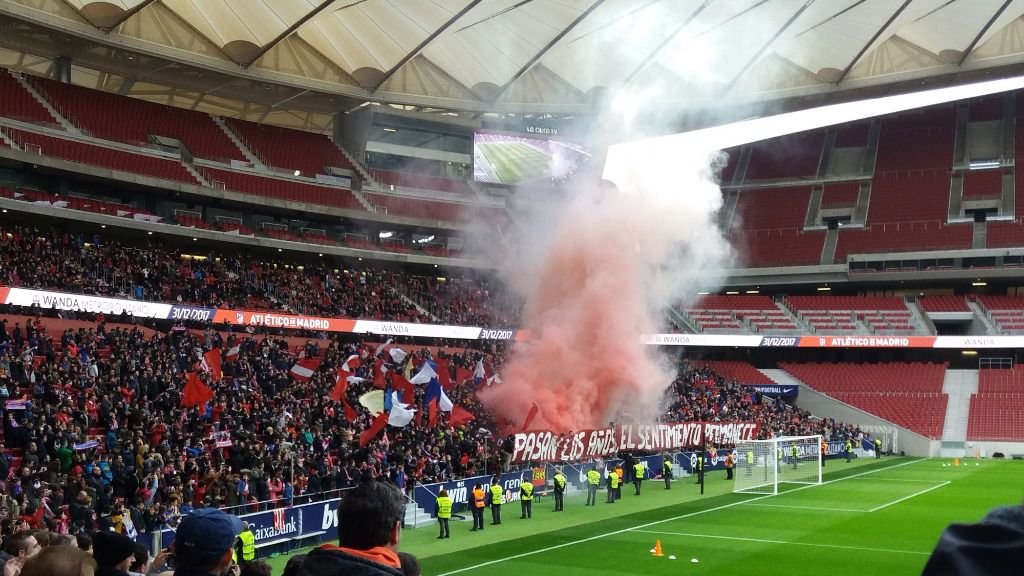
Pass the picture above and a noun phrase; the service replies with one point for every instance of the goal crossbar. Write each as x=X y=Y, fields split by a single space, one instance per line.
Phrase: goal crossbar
x=764 y=464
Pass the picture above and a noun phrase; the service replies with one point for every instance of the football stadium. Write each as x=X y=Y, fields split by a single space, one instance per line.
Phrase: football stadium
x=489 y=287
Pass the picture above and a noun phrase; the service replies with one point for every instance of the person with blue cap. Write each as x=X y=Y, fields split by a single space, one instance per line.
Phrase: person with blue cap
x=203 y=543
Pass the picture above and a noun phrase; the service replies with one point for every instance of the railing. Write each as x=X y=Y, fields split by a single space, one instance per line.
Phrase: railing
x=264 y=505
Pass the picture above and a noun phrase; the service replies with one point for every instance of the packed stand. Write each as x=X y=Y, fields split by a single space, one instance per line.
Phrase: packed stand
x=466 y=303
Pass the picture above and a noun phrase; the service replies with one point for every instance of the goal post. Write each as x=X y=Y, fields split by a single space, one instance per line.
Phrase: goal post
x=761 y=465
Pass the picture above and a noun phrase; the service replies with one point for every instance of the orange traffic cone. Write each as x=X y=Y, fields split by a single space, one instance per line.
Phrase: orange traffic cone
x=657 y=548
x=956 y=461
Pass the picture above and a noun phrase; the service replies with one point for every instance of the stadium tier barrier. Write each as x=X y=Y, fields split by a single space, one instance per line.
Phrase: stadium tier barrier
x=46 y=300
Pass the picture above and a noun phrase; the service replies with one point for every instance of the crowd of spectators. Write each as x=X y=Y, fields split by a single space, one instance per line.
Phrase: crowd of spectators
x=47 y=258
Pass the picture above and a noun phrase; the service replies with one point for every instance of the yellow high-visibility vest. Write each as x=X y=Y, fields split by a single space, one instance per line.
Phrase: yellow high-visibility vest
x=248 y=545
x=527 y=491
x=560 y=481
x=638 y=470
x=444 y=507
x=495 y=494
x=594 y=477
x=613 y=480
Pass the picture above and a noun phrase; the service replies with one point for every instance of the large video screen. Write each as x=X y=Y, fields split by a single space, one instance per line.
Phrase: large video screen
x=501 y=158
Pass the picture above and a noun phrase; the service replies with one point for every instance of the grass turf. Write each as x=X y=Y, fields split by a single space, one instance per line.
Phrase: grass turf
x=868 y=517
x=514 y=161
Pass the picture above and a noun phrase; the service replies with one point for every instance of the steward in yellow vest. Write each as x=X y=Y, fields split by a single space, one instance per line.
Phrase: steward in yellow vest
x=246 y=546
x=593 y=480
x=613 y=486
x=444 y=513
x=526 y=498
x=560 y=482
x=638 y=475
x=496 y=498
x=666 y=472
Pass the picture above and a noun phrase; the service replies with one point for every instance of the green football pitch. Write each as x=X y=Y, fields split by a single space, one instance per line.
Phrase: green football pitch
x=867 y=517
x=514 y=162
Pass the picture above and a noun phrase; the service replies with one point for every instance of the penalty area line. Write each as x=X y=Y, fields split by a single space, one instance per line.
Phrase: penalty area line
x=656 y=522
x=918 y=493
x=786 y=542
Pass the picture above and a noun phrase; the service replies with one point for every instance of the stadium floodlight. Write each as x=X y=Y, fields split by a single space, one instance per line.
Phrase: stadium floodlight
x=761 y=465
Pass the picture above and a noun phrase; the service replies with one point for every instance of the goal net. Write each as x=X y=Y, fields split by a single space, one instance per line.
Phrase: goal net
x=761 y=465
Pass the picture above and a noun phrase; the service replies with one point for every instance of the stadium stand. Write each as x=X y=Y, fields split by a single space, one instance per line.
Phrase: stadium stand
x=779 y=247
x=944 y=304
x=133 y=121
x=290 y=149
x=292 y=190
x=420 y=181
x=737 y=371
x=997 y=410
x=909 y=395
x=1006 y=312
x=982 y=184
x=756 y=313
x=903 y=237
x=880 y=315
x=788 y=157
x=18 y=104
x=771 y=208
x=840 y=195
x=1004 y=234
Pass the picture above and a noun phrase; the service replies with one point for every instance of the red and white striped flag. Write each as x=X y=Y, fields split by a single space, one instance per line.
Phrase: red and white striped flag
x=304 y=369
x=234 y=352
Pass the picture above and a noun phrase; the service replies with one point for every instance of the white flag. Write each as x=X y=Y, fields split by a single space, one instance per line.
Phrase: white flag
x=400 y=415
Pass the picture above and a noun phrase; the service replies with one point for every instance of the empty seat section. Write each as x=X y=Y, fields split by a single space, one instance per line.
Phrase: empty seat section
x=910 y=196
x=804 y=303
x=420 y=208
x=1006 y=312
x=74 y=151
x=735 y=302
x=852 y=135
x=981 y=184
x=742 y=372
x=908 y=394
x=794 y=156
x=17 y=103
x=284 y=189
x=944 y=304
x=768 y=208
x=997 y=410
x=919 y=140
x=903 y=237
x=290 y=149
x=1005 y=234
x=778 y=247
x=840 y=195
x=756 y=312
x=115 y=117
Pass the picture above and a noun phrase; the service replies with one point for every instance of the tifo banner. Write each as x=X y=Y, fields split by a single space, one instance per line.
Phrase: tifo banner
x=545 y=446
x=281 y=524
x=46 y=300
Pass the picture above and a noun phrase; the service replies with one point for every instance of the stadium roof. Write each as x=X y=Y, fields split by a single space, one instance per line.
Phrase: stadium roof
x=295 y=62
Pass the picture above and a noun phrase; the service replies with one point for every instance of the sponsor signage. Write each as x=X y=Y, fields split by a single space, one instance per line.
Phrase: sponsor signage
x=544 y=446
x=140 y=309
x=785 y=391
x=17 y=404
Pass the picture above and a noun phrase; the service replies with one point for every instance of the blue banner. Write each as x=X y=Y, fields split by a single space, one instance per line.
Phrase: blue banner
x=777 y=390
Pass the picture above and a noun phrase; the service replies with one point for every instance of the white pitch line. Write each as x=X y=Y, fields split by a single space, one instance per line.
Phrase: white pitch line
x=764 y=541
x=691 y=514
x=918 y=493
x=808 y=508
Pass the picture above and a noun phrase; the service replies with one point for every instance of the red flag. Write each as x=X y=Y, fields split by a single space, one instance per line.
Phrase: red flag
x=234 y=351
x=338 y=395
x=212 y=359
x=351 y=364
x=462 y=374
x=405 y=388
x=459 y=416
x=304 y=369
x=534 y=409
x=444 y=375
x=378 y=375
x=370 y=433
x=195 y=392
x=432 y=413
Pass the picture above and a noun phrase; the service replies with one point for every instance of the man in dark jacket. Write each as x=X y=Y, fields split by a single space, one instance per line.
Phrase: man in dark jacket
x=369 y=528
x=113 y=553
x=990 y=547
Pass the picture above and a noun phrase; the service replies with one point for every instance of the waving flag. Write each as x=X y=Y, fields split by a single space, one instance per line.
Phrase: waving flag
x=380 y=347
x=397 y=355
x=436 y=398
x=460 y=416
x=195 y=392
x=304 y=369
x=375 y=428
x=211 y=361
x=379 y=371
x=404 y=388
x=462 y=374
x=444 y=373
x=400 y=415
x=351 y=364
x=338 y=395
x=233 y=352
x=426 y=375
x=479 y=375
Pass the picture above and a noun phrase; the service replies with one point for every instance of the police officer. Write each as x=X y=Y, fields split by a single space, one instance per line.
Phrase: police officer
x=444 y=513
x=878 y=448
x=526 y=498
x=613 y=486
x=559 y=491
x=593 y=480
x=638 y=475
x=666 y=472
x=479 y=501
x=496 y=498
x=849 y=450
x=794 y=454
x=246 y=547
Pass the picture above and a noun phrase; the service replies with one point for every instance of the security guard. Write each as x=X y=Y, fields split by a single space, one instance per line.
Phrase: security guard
x=496 y=498
x=526 y=498
x=559 y=491
x=593 y=479
x=479 y=501
x=730 y=461
x=849 y=450
x=795 y=455
x=246 y=546
x=444 y=513
x=824 y=451
x=638 y=475
x=666 y=472
x=750 y=461
x=622 y=476
x=878 y=448
x=613 y=486
x=700 y=466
